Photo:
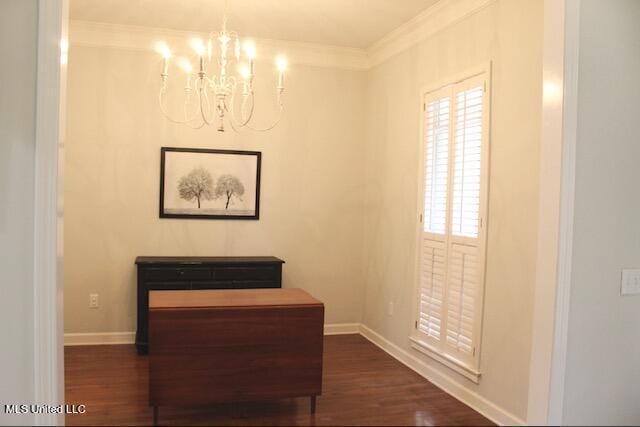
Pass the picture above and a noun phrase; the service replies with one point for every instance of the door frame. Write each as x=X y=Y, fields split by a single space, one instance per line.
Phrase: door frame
x=556 y=196
x=556 y=212
x=48 y=208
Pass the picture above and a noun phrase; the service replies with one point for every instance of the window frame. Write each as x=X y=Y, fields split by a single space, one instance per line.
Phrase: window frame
x=469 y=368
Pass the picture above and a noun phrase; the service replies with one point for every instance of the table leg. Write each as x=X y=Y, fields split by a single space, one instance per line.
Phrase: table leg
x=155 y=415
x=313 y=404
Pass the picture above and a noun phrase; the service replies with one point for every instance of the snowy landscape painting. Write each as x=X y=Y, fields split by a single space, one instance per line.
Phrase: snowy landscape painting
x=209 y=184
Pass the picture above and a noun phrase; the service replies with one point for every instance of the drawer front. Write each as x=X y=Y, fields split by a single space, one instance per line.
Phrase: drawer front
x=160 y=274
x=182 y=273
x=255 y=284
x=194 y=274
x=247 y=273
x=168 y=286
x=212 y=285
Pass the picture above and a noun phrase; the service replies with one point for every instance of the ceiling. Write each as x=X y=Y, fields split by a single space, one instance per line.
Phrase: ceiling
x=348 y=23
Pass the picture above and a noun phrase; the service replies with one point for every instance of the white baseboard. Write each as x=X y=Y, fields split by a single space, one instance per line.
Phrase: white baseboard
x=468 y=397
x=342 y=328
x=106 y=338
x=444 y=382
x=100 y=338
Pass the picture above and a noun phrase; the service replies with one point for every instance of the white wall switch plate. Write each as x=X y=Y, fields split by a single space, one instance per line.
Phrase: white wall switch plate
x=93 y=301
x=630 y=282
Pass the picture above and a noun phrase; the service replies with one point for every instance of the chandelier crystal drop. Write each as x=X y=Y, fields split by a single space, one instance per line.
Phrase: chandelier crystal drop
x=217 y=98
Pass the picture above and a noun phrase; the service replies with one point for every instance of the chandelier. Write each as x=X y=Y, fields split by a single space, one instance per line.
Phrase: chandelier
x=227 y=96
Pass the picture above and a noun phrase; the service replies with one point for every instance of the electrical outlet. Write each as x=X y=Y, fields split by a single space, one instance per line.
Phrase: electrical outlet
x=93 y=301
x=390 y=308
x=630 y=282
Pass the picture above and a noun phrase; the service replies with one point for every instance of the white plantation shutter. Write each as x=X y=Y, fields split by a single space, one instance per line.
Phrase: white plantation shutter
x=451 y=277
x=436 y=174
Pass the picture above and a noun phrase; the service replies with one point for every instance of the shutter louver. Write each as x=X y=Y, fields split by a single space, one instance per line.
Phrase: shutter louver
x=463 y=281
x=437 y=166
x=466 y=177
x=432 y=282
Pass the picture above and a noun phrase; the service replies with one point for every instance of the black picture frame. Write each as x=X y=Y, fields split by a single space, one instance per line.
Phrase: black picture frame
x=163 y=168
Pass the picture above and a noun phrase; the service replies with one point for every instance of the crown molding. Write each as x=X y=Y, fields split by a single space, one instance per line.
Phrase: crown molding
x=438 y=17
x=129 y=37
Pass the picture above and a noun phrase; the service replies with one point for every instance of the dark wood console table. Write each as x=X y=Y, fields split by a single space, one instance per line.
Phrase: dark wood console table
x=193 y=273
x=209 y=347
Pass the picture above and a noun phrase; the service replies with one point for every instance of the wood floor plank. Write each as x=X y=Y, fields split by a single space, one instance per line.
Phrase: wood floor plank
x=362 y=385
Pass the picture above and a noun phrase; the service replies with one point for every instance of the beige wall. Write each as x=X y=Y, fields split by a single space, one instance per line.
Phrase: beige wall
x=311 y=199
x=508 y=33
x=603 y=347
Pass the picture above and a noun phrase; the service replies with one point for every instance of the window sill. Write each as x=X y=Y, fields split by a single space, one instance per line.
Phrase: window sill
x=446 y=360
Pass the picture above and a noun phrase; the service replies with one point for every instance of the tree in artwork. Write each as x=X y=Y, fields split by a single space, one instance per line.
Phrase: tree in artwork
x=228 y=187
x=196 y=186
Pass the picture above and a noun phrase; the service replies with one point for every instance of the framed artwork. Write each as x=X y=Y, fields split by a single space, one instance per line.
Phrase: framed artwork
x=209 y=184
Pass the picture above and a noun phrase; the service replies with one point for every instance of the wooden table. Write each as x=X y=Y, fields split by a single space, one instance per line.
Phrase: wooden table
x=215 y=346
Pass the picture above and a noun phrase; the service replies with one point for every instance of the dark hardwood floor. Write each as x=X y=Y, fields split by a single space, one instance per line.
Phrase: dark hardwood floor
x=362 y=385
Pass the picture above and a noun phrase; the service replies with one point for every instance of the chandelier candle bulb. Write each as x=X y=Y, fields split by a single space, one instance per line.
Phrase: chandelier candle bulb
x=281 y=81
x=250 y=49
x=198 y=46
x=164 y=50
x=200 y=49
x=245 y=74
x=281 y=63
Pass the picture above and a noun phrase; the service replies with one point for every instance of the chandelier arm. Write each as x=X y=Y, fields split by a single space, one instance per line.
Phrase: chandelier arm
x=163 y=109
x=200 y=126
x=232 y=118
x=196 y=116
x=195 y=127
x=190 y=123
x=185 y=109
x=231 y=122
x=244 y=121
x=274 y=124
x=269 y=127
x=202 y=89
x=235 y=125
x=244 y=105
